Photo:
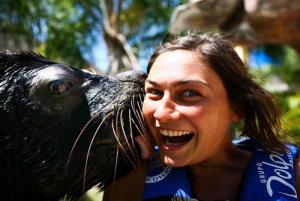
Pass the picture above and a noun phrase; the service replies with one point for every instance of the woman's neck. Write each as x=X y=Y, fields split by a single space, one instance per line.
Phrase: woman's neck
x=220 y=177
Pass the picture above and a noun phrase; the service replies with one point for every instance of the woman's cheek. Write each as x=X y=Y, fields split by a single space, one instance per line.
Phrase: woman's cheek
x=148 y=111
x=148 y=106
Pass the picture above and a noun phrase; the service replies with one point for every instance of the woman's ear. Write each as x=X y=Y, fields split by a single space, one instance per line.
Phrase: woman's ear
x=235 y=117
x=237 y=114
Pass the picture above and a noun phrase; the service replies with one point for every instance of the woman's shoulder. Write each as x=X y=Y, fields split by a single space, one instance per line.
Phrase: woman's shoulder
x=129 y=187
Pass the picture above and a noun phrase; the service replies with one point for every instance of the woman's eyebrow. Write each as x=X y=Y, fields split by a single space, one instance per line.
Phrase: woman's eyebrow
x=151 y=82
x=182 y=82
x=186 y=82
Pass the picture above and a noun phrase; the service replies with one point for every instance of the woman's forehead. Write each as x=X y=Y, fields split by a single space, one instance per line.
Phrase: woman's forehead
x=182 y=66
x=179 y=63
x=177 y=59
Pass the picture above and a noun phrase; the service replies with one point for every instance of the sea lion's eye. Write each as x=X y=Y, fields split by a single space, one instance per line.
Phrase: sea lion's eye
x=59 y=87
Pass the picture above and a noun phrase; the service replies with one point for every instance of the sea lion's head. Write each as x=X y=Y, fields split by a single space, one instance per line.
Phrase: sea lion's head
x=64 y=130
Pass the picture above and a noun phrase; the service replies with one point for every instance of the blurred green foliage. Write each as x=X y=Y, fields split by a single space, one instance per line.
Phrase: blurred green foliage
x=66 y=30
x=290 y=105
x=285 y=65
x=58 y=28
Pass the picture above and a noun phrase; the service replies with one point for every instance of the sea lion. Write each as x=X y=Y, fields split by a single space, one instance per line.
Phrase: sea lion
x=63 y=130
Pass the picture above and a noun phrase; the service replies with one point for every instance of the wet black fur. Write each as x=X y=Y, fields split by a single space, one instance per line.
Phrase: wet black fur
x=38 y=127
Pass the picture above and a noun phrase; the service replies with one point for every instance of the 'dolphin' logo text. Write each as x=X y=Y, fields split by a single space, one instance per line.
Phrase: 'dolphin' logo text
x=280 y=174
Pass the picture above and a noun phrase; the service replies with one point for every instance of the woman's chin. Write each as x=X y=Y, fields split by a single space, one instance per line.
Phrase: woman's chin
x=173 y=161
x=174 y=156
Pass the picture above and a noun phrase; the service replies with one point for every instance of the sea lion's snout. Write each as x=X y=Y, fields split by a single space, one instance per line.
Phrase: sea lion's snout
x=132 y=76
x=139 y=78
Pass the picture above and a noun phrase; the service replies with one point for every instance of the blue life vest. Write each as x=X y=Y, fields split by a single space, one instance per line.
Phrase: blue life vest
x=268 y=177
x=166 y=182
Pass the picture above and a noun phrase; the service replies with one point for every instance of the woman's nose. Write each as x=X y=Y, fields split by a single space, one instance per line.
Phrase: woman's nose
x=166 y=110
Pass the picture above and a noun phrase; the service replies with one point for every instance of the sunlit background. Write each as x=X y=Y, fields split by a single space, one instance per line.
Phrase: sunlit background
x=111 y=36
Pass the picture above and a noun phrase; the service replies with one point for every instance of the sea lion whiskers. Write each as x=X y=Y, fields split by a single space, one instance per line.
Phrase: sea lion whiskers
x=146 y=133
x=119 y=144
x=125 y=137
x=116 y=130
x=138 y=112
x=118 y=117
x=130 y=125
x=139 y=168
x=130 y=128
x=116 y=166
x=132 y=120
x=138 y=115
x=81 y=132
x=141 y=100
x=89 y=149
x=142 y=128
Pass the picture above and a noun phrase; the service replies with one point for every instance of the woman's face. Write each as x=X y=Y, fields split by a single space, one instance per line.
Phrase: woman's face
x=187 y=109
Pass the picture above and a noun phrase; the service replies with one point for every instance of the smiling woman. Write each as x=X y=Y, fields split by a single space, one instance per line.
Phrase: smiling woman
x=197 y=86
x=192 y=100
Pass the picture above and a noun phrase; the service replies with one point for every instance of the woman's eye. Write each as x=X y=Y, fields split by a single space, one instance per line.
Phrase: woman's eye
x=59 y=87
x=154 y=92
x=190 y=93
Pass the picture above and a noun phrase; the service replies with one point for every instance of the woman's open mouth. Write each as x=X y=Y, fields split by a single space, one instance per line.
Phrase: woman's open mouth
x=175 y=139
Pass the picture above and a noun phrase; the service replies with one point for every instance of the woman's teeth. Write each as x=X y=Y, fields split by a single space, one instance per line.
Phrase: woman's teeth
x=172 y=133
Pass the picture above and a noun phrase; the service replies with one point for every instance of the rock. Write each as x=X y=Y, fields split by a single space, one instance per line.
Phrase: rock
x=249 y=22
